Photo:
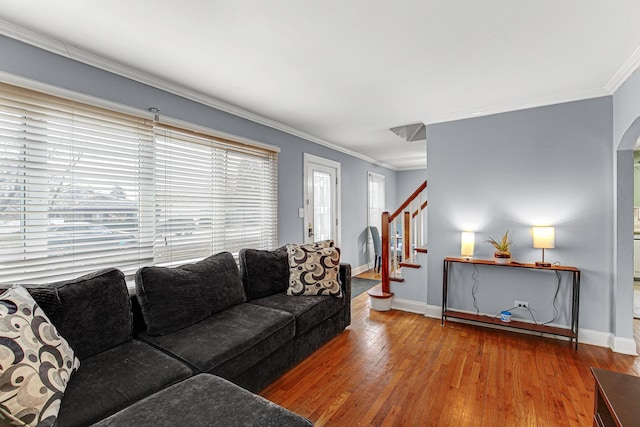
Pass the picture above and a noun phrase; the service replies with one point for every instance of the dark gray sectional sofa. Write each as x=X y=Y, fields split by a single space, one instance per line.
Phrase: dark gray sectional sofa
x=191 y=345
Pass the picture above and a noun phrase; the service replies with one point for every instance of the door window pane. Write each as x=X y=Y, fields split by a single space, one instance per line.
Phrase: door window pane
x=322 y=205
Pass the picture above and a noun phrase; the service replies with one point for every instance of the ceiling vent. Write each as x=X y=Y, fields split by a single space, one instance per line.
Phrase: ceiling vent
x=411 y=133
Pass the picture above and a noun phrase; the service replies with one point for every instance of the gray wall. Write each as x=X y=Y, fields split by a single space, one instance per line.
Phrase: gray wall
x=510 y=171
x=29 y=62
x=408 y=181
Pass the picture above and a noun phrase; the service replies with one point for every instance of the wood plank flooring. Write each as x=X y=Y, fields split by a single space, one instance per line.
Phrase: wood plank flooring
x=403 y=369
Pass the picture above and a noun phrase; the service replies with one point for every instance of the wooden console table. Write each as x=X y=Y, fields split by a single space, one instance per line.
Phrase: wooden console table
x=616 y=399
x=571 y=333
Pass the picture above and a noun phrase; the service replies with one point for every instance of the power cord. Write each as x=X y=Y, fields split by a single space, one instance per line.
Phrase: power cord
x=555 y=300
x=476 y=282
x=555 y=307
x=531 y=313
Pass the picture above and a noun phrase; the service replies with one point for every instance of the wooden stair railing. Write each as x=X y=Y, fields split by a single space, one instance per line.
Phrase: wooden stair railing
x=409 y=217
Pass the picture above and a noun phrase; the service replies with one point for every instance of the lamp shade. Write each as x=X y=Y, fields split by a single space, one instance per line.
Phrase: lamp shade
x=544 y=237
x=467 y=243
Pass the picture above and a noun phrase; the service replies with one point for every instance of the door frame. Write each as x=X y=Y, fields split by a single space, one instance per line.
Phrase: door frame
x=309 y=159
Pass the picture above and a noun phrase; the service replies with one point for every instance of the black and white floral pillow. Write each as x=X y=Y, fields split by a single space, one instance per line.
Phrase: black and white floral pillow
x=35 y=362
x=313 y=269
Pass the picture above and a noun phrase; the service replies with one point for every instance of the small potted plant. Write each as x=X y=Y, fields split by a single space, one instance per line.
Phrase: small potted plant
x=502 y=254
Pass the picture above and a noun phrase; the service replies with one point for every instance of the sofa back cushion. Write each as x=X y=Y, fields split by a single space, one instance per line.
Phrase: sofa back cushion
x=92 y=312
x=264 y=273
x=174 y=298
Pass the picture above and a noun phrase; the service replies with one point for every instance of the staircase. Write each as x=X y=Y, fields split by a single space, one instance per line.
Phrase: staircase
x=403 y=242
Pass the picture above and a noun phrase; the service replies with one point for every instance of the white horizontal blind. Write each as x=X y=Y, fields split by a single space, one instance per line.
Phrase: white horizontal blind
x=376 y=199
x=76 y=188
x=212 y=195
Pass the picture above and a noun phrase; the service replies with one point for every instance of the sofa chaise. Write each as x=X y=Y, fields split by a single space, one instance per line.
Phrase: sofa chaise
x=191 y=344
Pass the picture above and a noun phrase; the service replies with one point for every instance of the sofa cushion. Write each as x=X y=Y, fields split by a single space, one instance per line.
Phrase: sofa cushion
x=205 y=400
x=174 y=298
x=92 y=312
x=116 y=378
x=231 y=341
x=314 y=270
x=309 y=311
x=35 y=362
x=264 y=273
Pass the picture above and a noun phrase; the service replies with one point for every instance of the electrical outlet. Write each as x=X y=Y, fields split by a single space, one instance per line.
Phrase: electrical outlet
x=521 y=304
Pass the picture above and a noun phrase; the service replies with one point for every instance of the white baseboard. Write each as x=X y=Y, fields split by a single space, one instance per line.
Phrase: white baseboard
x=599 y=338
x=585 y=336
x=624 y=346
x=434 y=311
x=408 y=305
x=361 y=269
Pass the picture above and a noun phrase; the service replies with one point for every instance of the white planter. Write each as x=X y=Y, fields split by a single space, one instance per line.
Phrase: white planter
x=380 y=304
x=502 y=260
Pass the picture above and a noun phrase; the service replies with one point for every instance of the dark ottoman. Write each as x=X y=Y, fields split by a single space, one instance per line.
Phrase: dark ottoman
x=205 y=400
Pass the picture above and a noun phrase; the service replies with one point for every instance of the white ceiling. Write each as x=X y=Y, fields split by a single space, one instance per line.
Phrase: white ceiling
x=344 y=72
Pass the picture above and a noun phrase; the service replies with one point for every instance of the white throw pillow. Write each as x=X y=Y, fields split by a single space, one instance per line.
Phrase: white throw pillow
x=313 y=270
x=35 y=362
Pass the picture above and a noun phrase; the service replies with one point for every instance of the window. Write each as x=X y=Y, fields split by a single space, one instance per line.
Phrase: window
x=83 y=188
x=211 y=195
x=377 y=203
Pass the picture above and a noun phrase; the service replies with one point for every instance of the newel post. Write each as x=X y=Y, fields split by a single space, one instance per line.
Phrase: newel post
x=385 y=253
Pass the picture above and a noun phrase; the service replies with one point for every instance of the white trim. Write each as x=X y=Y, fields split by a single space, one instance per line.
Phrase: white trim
x=624 y=72
x=371 y=176
x=585 y=336
x=310 y=158
x=73 y=52
x=361 y=269
x=120 y=108
x=433 y=311
x=409 y=305
x=525 y=105
x=80 y=55
x=624 y=346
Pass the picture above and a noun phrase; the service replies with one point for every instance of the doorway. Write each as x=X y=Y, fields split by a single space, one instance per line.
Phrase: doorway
x=321 y=199
x=377 y=205
x=636 y=234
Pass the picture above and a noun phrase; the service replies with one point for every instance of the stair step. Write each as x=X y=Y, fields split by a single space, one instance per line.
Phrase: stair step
x=410 y=265
x=421 y=250
x=396 y=279
x=376 y=292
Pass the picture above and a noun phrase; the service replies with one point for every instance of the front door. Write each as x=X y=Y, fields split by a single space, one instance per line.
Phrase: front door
x=322 y=189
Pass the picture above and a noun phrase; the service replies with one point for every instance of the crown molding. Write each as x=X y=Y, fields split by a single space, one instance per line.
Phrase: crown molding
x=624 y=72
x=77 y=54
x=525 y=105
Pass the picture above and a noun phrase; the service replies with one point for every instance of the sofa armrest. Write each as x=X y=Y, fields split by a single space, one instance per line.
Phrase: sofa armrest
x=345 y=282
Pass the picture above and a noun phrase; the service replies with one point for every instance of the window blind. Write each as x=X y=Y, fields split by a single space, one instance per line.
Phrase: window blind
x=84 y=188
x=212 y=195
x=75 y=183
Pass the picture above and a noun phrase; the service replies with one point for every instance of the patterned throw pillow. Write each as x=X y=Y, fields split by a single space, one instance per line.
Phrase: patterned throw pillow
x=35 y=362
x=313 y=269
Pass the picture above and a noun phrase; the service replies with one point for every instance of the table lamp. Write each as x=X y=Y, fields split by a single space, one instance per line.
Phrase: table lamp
x=467 y=242
x=543 y=238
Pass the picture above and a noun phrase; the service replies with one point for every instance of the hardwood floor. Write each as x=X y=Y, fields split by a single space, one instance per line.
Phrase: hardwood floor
x=403 y=369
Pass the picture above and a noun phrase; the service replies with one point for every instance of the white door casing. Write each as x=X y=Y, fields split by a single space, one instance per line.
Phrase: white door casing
x=321 y=199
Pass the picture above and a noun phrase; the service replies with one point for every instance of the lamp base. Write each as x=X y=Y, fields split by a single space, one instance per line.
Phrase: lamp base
x=543 y=264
